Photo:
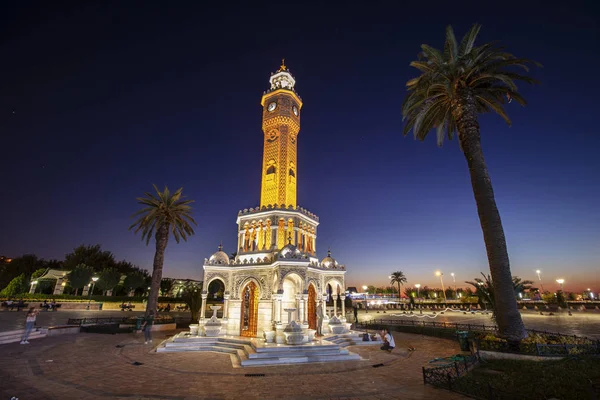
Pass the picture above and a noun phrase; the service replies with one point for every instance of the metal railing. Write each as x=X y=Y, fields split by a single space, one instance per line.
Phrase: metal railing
x=118 y=320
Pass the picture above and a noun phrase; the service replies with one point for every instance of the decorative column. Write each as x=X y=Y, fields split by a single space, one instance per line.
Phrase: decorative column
x=305 y=308
x=203 y=308
x=268 y=235
x=335 y=300
x=32 y=287
x=277 y=314
x=246 y=238
x=343 y=296
x=281 y=234
x=299 y=307
x=300 y=233
x=226 y=297
x=290 y=232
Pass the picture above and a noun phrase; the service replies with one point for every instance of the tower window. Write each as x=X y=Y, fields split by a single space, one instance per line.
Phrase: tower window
x=292 y=173
x=271 y=170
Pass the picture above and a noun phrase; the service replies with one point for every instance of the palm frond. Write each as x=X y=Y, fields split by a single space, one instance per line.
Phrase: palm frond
x=468 y=40
x=164 y=209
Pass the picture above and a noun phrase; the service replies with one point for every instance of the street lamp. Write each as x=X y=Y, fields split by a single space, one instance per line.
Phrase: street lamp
x=454 y=281
x=441 y=274
x=365 y=287
x=539 y=274
x=418 y=286
x=94 y=279
x=560 y=282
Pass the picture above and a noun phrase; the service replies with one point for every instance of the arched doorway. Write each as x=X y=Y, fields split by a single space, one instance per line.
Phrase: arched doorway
x=249 y=316
x=292 y=286
x=216 y=290
x=312 y=307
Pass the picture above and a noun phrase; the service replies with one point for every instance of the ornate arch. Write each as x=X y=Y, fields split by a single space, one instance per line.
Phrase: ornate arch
x=293 y=271
x=315 y=282
x=334 y=280
x=211 y=276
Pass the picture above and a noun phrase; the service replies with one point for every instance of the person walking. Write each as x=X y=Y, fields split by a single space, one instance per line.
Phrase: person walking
x=147 y=327
x=355 y=313
x=29 y=324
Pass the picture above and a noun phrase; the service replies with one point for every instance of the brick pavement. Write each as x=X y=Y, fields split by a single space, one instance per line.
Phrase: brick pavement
x=95 y=366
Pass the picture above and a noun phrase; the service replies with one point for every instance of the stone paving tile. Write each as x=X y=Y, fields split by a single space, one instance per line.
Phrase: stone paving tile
x=91 y=366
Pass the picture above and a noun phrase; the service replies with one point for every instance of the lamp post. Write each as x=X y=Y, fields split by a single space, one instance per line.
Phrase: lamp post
x=539 y=274
x=454 y=281
x=441 y=274
x=418 y=286
x=94 y=279
x=365 y=287
x=560 y=282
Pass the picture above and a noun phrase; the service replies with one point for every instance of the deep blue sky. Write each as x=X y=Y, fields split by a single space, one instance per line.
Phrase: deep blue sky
x=110 y=99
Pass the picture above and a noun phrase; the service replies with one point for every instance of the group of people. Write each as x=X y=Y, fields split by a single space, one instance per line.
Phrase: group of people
x=49 y=306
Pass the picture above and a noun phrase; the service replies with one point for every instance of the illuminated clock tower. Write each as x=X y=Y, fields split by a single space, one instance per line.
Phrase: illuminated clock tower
x=280 y=124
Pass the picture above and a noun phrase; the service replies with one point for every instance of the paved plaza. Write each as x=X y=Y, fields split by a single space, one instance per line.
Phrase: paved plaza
x=96 y=366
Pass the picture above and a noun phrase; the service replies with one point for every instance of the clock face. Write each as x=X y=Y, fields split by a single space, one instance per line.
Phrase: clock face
x=295 y=110
x=272 y=135
x=272 y=106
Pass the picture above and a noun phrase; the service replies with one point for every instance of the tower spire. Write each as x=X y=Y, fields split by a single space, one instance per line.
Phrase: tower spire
x=221 y=245
x=282 y=67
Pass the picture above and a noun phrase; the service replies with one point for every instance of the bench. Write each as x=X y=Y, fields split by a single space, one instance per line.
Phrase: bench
x=14 y=305
x=49 y=307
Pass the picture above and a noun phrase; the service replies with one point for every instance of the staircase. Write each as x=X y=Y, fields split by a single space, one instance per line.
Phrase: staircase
x=248 y=352
x=15 y=336
x=353 y=339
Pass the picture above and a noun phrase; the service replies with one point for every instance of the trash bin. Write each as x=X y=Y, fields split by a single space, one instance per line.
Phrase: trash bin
x=138 y=322
x=463 y=340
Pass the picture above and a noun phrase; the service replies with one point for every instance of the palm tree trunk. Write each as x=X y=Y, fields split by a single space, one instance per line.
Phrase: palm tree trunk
x=162 y=239
x=507 y=314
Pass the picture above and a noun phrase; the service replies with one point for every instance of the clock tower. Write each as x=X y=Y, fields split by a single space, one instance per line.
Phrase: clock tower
x=280 y=124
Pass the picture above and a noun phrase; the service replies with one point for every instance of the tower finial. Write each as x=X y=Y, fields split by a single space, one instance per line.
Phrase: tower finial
x=329 y=252
x=221 y=245
x=283 y=67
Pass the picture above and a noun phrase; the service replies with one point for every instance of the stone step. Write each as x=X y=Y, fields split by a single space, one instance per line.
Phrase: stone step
x=306 y=347
x=298 y=360
x=286 y=354
x=16 y=336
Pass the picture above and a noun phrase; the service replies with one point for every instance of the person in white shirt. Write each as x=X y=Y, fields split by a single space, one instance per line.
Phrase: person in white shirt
x=29 y=324
x=388 y=341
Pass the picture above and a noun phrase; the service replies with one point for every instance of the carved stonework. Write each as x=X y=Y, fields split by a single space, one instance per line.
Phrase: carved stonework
x=210 y=275
x=262 y=277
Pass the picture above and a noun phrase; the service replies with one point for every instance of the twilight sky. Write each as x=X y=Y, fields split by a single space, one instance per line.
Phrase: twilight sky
x=109 y=99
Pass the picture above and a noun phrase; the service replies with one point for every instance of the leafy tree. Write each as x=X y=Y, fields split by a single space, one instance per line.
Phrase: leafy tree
x=37 y=273
x=92 y=256
x=125 y=267
x=80 y=276
x=371 y=289
x=26 y=264
x=166 y=285
x=455 y=86
x=134 y=280
x=192 y=296
x=164 y=213
x=16 y=286
x=108 y=279
x=398 y=278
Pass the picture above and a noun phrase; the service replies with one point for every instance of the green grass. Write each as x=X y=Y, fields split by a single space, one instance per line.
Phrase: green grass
x=562 y=379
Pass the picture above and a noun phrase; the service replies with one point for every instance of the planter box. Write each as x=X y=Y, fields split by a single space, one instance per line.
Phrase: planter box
x=496 y=355
x=63 y=330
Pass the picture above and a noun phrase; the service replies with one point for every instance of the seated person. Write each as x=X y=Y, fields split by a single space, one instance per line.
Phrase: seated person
x=388 y=341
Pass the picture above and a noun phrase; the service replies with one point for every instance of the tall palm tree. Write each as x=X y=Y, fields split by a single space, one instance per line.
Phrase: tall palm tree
x=454 y=87
x=164 y=213
x=398 y=278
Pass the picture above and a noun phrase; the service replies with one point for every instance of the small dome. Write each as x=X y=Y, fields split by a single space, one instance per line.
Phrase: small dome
x=220 y=257
x=329 y=261
x=289 y=249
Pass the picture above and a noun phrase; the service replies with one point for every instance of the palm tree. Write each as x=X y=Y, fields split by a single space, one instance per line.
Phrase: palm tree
x=455 y=86
x=164 y=213
x=399 y=278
